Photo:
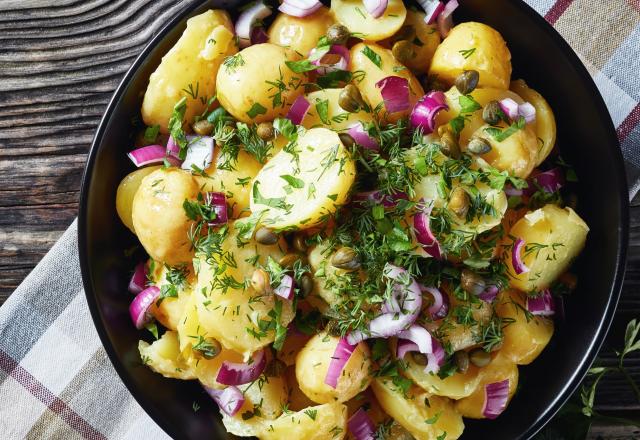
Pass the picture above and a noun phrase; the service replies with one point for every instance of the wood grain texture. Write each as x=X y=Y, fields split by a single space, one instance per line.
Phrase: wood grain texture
x=59 y=63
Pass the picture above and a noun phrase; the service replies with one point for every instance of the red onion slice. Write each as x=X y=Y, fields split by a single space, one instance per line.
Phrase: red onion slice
x=489 y=294
x=376 y=196
x=424 y=235
x=173 y=149
x=247 y=19
x=218 y=202
x=435 y=359
x=509 y=107
x=432 y=9
x=341 y=356
x=550 y=181
x=395 y=93
x=496 y=396
x=298 y=110
x=299 y=8
x=528 y=112
x=445 y=19
x=511 y=191
x=199 y=153
x=138 y=279
x=147 y=155
x=232 y=373
x=424 y=113
x=316 y=56
x=516 y=260
x=375 y=8
x=259 y=35
x=360 y=426
x=419 y=336
x=362 y=138
x=440 y=306
x=230 y=400
x=139 y=308
x=404 y=347
x=285 y=288
x=541 y=305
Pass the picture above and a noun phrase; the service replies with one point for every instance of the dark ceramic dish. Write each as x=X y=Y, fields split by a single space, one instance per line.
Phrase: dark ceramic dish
x=587 y=140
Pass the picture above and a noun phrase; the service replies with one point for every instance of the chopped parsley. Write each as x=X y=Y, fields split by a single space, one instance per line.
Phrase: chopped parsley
x=373 y=56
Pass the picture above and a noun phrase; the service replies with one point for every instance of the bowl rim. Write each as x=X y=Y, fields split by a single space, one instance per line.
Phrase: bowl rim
x=623 y=227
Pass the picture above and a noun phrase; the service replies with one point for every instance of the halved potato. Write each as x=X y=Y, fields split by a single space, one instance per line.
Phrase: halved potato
x=326 y=112
x=126 y=192
x=455 y=387
x=163 y=356
x=171 y=309
x=300 y=34
x=425 y=44
x=322 y=422
x=354 y=16
x=302 y=188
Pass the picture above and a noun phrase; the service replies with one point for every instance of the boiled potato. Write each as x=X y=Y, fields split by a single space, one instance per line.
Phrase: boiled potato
x=353 y=15
x=425 y=43
x=312 y=364
x=327 y=278
x=255 y=85
x=297 y=399
x=300 y=34
x=524 y=336
x=498 y=370
x=163 y=356
x=422 y=421
x=189 y=69
x=389 y=66
x=159 y=218
x=545 y=123
x=301 y=190
x=473 y=120
x=232 y=175
x=294 y=342
x=322 y=422
x=462 y=336
x=455 y=387
x=229 y=308
x=336 y=118
x=171 y=309
x=127 y=190
x=553 y=238
x=473 y=46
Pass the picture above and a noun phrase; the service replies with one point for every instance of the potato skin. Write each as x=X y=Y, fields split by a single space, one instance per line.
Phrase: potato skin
x=553 y=237
x=300 y=34
x=351 y=13
x=491 y=57
x=373 y=74
x=126 y=192
x=194 y=60
x=329 y=422
x=159 y=218
x=253 y=82
x=312 y=364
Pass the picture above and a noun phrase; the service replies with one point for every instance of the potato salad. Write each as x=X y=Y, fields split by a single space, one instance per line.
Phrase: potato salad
x=358 y=224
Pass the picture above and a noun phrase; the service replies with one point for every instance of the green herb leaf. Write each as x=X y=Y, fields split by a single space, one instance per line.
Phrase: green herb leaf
x=151 y=133
x=300 y=66
x=501 y=135
x=466 y=53
x=293 y=181
x=434 y=419
x=274 y=202
x=468 y=104
x=255 y=110
x=153 y=329
x=322 y=107
x=374 y=57
x=175 y=127
x=286 y=128
x=334 y=79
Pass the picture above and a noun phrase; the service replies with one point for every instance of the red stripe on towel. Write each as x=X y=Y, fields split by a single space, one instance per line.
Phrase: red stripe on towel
x=557 y=10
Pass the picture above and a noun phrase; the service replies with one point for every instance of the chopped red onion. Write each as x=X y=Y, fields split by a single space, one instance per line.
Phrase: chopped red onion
x=139 y=308
x=362 y=138
x=435 y=359
x=298 y=110
x=360 y=426
x=542 y=304
x=173 y=149
x=395 y=93
x=218 y=202
x=247 y=19
x=419 y=336
x=516 y=260
x=509 y=107
x=285 y=288
x=341 y=356
x=405 y=346
x=138 y=279
x=376 y=196
x=424 y=235
x=528 y=112
x=232 y=373
x=299 y=8
x=550 y=181
x=199 y=153
x=445 y=19
x=432 y=8
x=316 y=56
x=489 y=294
x=496 y=396
x=259 y=35
x=440 y=306
x=147 y=155
x=376 y=8
x=424 y=113
x=511 y=191
x=230 y=400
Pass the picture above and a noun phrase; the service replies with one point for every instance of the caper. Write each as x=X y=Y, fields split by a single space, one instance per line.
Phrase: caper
x=472 y=283
x=403 y=51
x=346 y=140
x=203 y=127
x=479 y=357
x=449 y=145
x=300 y=243
x=419 y=358
x=350 y=99
x=260 y=281
x=306 y=284
x=288 y=260
x=265 y=131
x=467 y=81
x=407 y=32
x=459 y=202
x=275 y=368
x=208 y=348
x=266 y=236
x=478 y=145
x=345 y=258
x=491 y=112
x=338 y=34
x=461 y=358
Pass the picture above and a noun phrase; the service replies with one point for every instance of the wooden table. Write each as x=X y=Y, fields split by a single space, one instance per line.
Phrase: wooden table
x=58 y=68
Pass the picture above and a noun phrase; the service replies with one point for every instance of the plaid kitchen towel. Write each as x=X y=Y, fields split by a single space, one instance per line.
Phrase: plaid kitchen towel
x=55 y=378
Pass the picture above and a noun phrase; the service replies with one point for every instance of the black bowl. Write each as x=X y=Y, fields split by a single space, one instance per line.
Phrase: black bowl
x=586 y=137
